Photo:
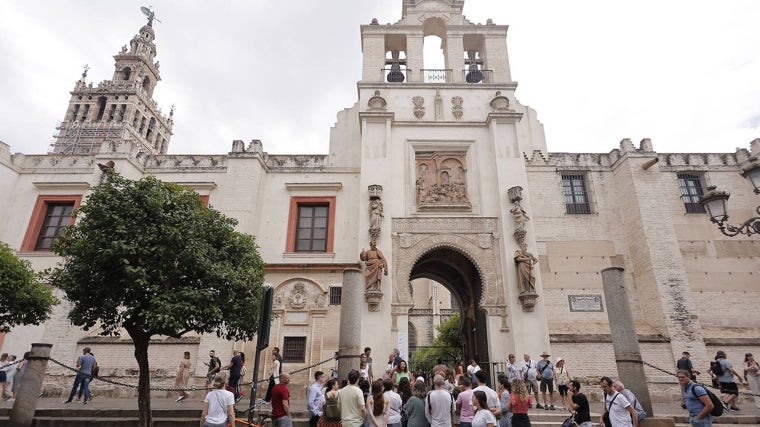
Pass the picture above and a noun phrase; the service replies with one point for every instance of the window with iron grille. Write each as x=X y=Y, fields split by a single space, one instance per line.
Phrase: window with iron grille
x=574 y=190
x=57 y=217
x=311 y=235
x=335 y=294
x=294 y=349
x=691 y=192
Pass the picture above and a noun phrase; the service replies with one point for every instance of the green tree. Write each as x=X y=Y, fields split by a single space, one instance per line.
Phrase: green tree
x=447 y=345
x=149 y=258
x=23 y=299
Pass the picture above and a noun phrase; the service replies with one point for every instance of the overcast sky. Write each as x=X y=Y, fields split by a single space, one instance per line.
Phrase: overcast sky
x=685 y=73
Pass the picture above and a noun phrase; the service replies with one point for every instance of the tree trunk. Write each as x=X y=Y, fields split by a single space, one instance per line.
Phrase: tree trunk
x=141 y=341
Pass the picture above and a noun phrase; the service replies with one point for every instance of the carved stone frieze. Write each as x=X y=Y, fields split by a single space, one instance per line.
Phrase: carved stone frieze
x=460 y=225
x=441 y=181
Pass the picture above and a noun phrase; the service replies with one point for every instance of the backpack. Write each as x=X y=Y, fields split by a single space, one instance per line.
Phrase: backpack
x=717 y=403
x=95 y=370
x=716 y=368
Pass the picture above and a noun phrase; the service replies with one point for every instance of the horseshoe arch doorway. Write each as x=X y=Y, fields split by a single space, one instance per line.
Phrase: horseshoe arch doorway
x=458 y=274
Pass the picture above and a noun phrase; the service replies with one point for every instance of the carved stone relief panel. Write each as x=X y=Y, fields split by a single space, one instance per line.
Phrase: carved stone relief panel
x=441 y=181
x=298 y=295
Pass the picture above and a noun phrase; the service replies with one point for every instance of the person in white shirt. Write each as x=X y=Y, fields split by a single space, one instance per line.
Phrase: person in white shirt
x=218 y=406
x=492 y=398
x=394 y=419
x=471 y=369
x=620 y=411
x=513 y=369
x=529 y=374
x=439 y=405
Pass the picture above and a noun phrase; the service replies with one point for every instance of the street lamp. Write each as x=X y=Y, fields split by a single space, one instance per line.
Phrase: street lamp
x=715 y=202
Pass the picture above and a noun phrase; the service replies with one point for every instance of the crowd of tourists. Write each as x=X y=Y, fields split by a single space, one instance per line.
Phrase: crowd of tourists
x=456 y=396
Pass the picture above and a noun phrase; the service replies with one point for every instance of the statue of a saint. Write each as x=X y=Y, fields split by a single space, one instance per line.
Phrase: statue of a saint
x=519 y=216
x=375 y=267
x=375 y=215
x=526 y=281
x=438 y=105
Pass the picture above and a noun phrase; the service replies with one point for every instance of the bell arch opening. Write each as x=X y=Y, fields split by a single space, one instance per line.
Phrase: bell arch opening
x=460 y=276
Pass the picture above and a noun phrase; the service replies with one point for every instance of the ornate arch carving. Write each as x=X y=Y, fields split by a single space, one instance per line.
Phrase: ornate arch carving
x=408 y=249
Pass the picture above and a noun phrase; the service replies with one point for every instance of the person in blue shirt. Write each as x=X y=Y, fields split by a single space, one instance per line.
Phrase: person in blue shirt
x=698 y=403
x=545 y=371
x=315 y=397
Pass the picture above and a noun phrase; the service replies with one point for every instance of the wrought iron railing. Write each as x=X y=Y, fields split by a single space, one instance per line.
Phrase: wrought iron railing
x=436 y=75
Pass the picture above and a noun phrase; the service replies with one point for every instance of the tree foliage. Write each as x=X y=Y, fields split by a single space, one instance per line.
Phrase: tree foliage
x=24 y=300
x=446 y=346
x=149 y=257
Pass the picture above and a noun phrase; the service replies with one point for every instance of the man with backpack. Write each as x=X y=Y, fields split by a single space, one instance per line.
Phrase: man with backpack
x=698 y=401
x=724 y=372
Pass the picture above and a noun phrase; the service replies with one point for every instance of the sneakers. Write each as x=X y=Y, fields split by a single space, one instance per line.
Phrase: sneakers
x=734 y=408
x=237 y=399
x=552 y=408
x=538 y=406
x=84 y=402
x=724 y=405
x=180 y=399
x=66 y=401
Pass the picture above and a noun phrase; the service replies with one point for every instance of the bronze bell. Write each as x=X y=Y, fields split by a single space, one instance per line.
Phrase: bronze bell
x=395 y=75
x=474 y=75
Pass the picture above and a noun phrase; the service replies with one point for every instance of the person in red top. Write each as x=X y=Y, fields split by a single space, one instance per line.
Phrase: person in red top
x=519 y=402
x=281 y=403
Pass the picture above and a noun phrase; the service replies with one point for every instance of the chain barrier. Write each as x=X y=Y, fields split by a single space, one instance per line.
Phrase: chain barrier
x=11 y=364
x=261 y=380
x=748 y=393
x=105 y=380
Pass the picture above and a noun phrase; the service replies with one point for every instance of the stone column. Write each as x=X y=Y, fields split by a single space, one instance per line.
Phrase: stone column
x=624 y=339
x=22 y=413
x=351 y=302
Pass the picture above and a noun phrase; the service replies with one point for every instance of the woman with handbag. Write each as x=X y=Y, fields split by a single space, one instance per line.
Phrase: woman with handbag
x=219 y=404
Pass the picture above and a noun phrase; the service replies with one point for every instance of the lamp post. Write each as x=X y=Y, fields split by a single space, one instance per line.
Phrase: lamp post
x=715 y=201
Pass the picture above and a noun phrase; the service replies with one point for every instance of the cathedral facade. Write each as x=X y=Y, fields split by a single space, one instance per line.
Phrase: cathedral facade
x=450 y=177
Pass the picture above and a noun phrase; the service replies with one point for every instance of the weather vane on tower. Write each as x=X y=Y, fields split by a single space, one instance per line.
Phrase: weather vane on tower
x=150 y=14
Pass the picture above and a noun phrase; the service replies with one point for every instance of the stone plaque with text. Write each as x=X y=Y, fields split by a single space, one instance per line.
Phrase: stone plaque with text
x=585 y=302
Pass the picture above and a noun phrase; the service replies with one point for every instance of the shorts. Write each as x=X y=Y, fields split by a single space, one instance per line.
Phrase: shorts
x=562 y=389
x=729 y=388
x=532 y=386
x=547 y=383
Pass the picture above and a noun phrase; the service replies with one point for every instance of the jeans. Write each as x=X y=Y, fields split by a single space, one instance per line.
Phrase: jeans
x=704 y=422
x=585 y=424
x=84 y=381
x=284 y=421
